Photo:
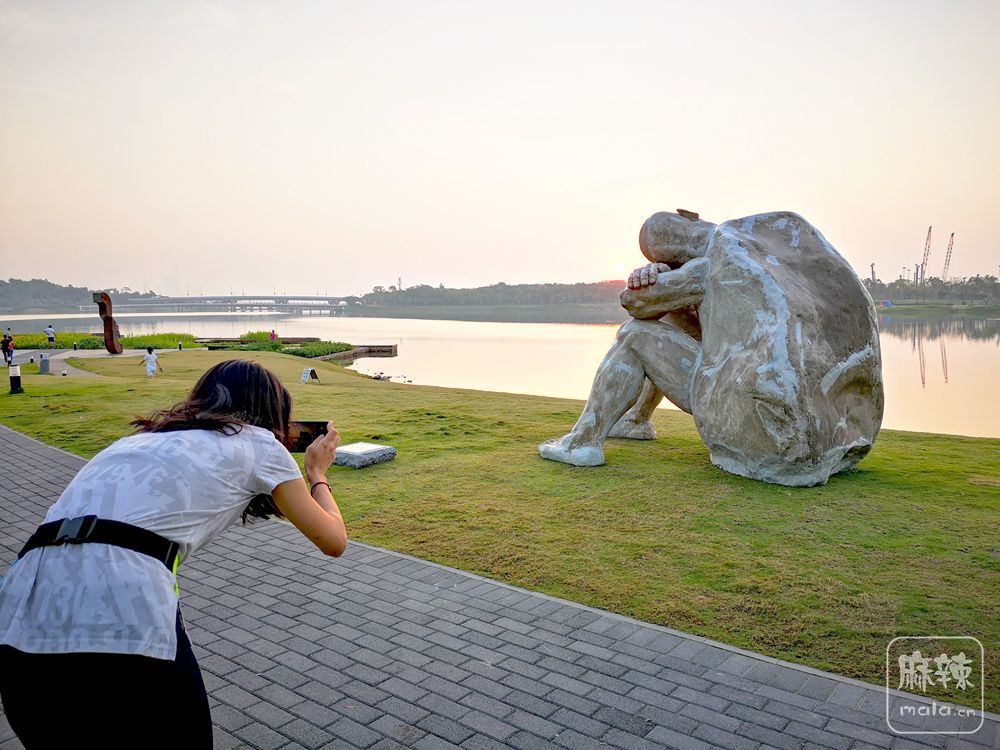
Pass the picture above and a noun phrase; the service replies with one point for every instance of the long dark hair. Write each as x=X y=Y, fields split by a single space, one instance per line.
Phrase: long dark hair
x=228 y=396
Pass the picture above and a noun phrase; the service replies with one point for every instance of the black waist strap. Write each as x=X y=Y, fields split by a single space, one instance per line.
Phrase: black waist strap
x=91 y=529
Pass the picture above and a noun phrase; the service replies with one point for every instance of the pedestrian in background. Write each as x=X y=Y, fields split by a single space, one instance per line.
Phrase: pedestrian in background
x=51 y=333
x=152 y=362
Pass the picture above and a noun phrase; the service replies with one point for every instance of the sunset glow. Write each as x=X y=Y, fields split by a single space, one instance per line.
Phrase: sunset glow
x=338 y=146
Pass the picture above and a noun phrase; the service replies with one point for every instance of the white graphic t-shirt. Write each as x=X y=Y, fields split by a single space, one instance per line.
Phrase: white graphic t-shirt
x=186 y=486
x=150 y=361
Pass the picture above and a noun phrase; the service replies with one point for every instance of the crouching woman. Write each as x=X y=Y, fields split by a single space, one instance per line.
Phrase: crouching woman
x=93 y=651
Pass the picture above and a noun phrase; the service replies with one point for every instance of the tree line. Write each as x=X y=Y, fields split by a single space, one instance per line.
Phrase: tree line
x=981 y=289
x=600 y=292
x=31 y=295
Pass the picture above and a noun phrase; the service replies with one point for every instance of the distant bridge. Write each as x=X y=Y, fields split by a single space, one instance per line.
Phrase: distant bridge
x=295 y=304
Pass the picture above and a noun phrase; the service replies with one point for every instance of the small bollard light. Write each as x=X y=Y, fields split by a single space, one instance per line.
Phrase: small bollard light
x=74 y=346
x=64 y=373
x=15 y=379
x=180 y=346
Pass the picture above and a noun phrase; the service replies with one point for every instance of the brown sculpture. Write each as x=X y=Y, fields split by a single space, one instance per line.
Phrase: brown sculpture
x=111 y=332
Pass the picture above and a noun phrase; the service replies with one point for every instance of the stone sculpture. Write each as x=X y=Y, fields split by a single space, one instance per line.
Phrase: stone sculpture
x=756 y=327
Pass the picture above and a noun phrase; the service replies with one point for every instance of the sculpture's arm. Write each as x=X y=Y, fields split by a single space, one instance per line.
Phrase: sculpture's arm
x=672 y=290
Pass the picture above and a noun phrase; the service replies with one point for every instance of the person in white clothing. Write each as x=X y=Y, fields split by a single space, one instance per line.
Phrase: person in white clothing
x=152 y=362
x=93 y=651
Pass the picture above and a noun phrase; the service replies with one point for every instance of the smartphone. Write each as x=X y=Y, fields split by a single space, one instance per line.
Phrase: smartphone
x=301 y=434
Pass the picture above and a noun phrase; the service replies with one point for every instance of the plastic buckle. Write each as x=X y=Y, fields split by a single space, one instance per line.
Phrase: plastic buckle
x=173 y=550
x=75 y=530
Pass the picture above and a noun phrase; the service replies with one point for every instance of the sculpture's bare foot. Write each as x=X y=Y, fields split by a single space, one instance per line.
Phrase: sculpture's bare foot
x=562 y=449
x=626 y=428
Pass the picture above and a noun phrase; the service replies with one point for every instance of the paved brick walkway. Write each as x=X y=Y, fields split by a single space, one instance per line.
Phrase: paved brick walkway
x=381 y=650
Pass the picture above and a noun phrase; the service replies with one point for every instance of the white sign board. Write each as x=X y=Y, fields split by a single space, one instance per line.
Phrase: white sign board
x=309 y=374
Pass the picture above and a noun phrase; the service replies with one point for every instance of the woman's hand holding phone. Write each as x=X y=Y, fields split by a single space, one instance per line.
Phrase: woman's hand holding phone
x=321 y=453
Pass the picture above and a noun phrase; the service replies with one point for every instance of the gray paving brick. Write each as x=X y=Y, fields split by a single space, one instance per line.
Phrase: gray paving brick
x=486 y=686
x=235 y=696
x=535 y=724
x=363 y=692
x=402 y=689
x=771 y=737
x=268 y=714
x=408 y=712
x=445 y=728
x=871 y=736
x=572 y=702
x=385 y=744
x=444 y=687
x=739 y=696
x=260 y=736
x=724 y=739
x=314 y=713
x=442 y=706
x=623 y=720
x=279 y=696
x=403 y=732
x=579 y=722
x=355 y=733
x=433 y=742
x=711 y=717
x=847 y=695
x=756 y=717
x=530 y=703
x=488 y=725
x=789 y=679
x=247 y=680
x=786 y=697
x=357 y=711
x=670 y=738
x=705 y=700
x=562 y=682
x=305 y=734
x=229 y=718
x=819 y=688
x=576 y=741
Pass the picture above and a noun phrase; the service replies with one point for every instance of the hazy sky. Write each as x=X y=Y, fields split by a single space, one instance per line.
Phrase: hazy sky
x=331 y=146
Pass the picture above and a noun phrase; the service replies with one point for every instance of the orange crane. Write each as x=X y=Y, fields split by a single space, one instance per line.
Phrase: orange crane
x=947 y=259
x=927 y=254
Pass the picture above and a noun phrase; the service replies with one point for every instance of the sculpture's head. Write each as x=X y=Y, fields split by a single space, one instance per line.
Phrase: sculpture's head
x=674 y=238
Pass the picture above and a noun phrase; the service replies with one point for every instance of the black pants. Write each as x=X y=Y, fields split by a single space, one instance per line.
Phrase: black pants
x=106 y=700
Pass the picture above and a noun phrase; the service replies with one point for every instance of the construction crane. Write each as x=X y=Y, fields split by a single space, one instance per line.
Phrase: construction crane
x=927 y=254
x=947 y=258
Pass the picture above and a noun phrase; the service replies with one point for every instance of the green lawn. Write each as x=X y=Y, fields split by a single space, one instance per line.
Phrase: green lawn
x=908 y=544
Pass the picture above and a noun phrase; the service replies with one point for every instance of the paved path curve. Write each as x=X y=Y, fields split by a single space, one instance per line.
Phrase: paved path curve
x=382 y=650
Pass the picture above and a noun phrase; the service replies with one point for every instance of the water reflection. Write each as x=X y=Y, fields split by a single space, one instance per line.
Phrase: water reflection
x=940 y=374
x=976 y=329
x=917 y=331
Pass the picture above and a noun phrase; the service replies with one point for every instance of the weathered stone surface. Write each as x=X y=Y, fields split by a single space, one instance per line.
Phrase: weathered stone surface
x=789 y=386
x=780 y=366
x=359 y=455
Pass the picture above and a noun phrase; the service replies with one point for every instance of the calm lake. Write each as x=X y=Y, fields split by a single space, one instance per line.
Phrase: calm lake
x=940 y=374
